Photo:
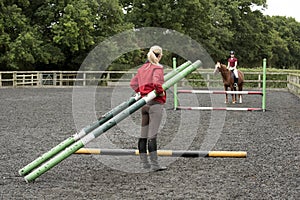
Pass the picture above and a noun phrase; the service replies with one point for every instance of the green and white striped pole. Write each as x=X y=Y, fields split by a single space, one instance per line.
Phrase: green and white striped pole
x=264 y=84
x=60 y=147
x=107 y=125
x=46 y=156
x=175 y=87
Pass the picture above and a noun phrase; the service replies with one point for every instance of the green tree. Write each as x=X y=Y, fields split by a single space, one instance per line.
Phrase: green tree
x=52 y=34
x=285 y=42
x=246 y=30
x=55 y=34
x=22 y=45
x=218 y=25
x=76 y=27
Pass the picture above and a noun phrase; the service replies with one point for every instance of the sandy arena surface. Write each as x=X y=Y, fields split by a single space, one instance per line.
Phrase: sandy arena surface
x=33 y=120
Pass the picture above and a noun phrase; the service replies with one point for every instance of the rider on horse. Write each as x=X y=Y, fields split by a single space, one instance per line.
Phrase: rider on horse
x=232 y=66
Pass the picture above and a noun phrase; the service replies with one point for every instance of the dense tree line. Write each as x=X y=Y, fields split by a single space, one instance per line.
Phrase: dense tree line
x=58 y=34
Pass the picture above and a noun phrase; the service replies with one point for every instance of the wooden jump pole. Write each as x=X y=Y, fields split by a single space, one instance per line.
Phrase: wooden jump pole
x=218 y=108
x=169 y=153
x=220 y=92
x=107 y=125
x=104 y=118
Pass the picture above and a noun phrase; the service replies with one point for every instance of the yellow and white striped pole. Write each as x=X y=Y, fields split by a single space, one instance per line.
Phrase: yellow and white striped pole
x=170 y=153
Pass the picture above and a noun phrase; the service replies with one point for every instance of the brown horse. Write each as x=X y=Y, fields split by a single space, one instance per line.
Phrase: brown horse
x=228 y=81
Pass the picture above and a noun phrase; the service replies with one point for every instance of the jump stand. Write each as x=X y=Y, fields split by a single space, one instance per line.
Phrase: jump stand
x=263 y=93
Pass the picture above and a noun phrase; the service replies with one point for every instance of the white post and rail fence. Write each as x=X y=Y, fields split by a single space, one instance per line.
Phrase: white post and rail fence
x=276 y=80
x=293 y=83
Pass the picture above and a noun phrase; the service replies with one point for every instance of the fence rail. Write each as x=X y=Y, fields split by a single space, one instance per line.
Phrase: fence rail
x=122 y=78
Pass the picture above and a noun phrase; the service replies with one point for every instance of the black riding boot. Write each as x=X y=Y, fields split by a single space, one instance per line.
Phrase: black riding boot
x=236 y=80
x=142 y=145
x=152 y=148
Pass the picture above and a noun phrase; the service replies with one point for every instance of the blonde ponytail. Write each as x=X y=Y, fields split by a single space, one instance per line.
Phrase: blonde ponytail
x=154 y=50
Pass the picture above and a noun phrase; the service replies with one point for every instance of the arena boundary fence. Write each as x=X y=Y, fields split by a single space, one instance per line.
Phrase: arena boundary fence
x=263 y=93
x=112 y=78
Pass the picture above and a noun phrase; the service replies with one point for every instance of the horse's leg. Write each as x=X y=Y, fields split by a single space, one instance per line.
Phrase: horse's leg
x=226 y=95
x=240 y=85
x=233 y=95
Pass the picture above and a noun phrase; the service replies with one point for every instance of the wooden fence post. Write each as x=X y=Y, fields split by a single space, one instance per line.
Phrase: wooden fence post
x=54 y=79
x=84 y=78
x=208 y=80
x=60 y=79
x=14 y=79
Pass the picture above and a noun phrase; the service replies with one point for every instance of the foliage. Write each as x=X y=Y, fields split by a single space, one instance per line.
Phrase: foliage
x=58 y=35
x=54 y=34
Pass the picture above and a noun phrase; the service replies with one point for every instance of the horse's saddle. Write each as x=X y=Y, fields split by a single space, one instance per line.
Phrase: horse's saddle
x=232 y=74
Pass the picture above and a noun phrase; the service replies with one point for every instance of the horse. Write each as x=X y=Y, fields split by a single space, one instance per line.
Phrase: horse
x=228 y=81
